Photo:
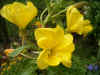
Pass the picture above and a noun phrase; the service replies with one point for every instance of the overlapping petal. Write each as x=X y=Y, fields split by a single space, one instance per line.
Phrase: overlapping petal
x=65 y=50
x=73 y=16
x=45 y=59
x=67 y=45
x=42 y=60
x=66 y=60
x=45 y=37
x=19 y=13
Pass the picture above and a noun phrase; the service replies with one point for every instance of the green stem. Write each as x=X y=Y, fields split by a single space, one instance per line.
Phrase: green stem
x=47 y=18
x=23 y=40
x=22 y=35
x=79 y=4
x=41 y=16
x=49 y=15
x=62 y=11
x=29 y=57
x=47 y=5
x=76 y=5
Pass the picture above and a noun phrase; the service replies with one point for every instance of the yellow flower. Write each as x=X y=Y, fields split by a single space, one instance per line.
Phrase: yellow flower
x=57 y=47
x=76 y=22
x=19 y=13
x=7 y=51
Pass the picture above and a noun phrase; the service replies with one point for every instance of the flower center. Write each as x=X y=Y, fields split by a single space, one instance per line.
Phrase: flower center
x=49 y=51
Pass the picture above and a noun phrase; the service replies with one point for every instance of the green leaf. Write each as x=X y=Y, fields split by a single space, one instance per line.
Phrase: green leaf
x=30 y=70
x=89 y=73
x=19 y=50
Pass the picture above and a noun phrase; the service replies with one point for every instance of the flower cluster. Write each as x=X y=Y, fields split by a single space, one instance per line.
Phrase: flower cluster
x=57 y=46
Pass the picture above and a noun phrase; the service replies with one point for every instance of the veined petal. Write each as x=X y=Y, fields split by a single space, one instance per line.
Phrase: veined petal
x=68 y=38
x=42 y=60
x=45 y=43
x=66 y=60
x=66 y=46
x=65 y=49
x=49 y=37
x=54 y=59
x=44 y=32
x=44 y=37
x=73 y=16
x=87 y=27
x=59 y=35
x=82 y=27
x=47 y=58
x=19 y=14
x=7 y=12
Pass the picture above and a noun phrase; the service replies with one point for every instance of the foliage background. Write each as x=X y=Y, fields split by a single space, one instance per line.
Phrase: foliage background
x=87 y=49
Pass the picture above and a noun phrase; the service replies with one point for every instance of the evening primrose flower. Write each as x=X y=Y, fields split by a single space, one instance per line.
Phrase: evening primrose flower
x=76 y=22
x=57 y=47
x=19 y=13
x=7 y=51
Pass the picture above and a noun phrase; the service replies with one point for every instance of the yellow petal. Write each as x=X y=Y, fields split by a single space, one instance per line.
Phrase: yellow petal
x=66 y=46
x=59 y=35
x=66 y=60
x=82 y=27
x=42 y=60
x=47 y=58
x=65 y=49
x=53 y=58
x=49 y=37
x=88 y=27
x=68 y=38
x=44 y=37
x=73 y=16
x=19 y=13
x=44 y=32
x=45 y=43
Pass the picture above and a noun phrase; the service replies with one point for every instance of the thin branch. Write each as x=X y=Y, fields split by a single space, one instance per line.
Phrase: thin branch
x=26 y=56
x=41 y=16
